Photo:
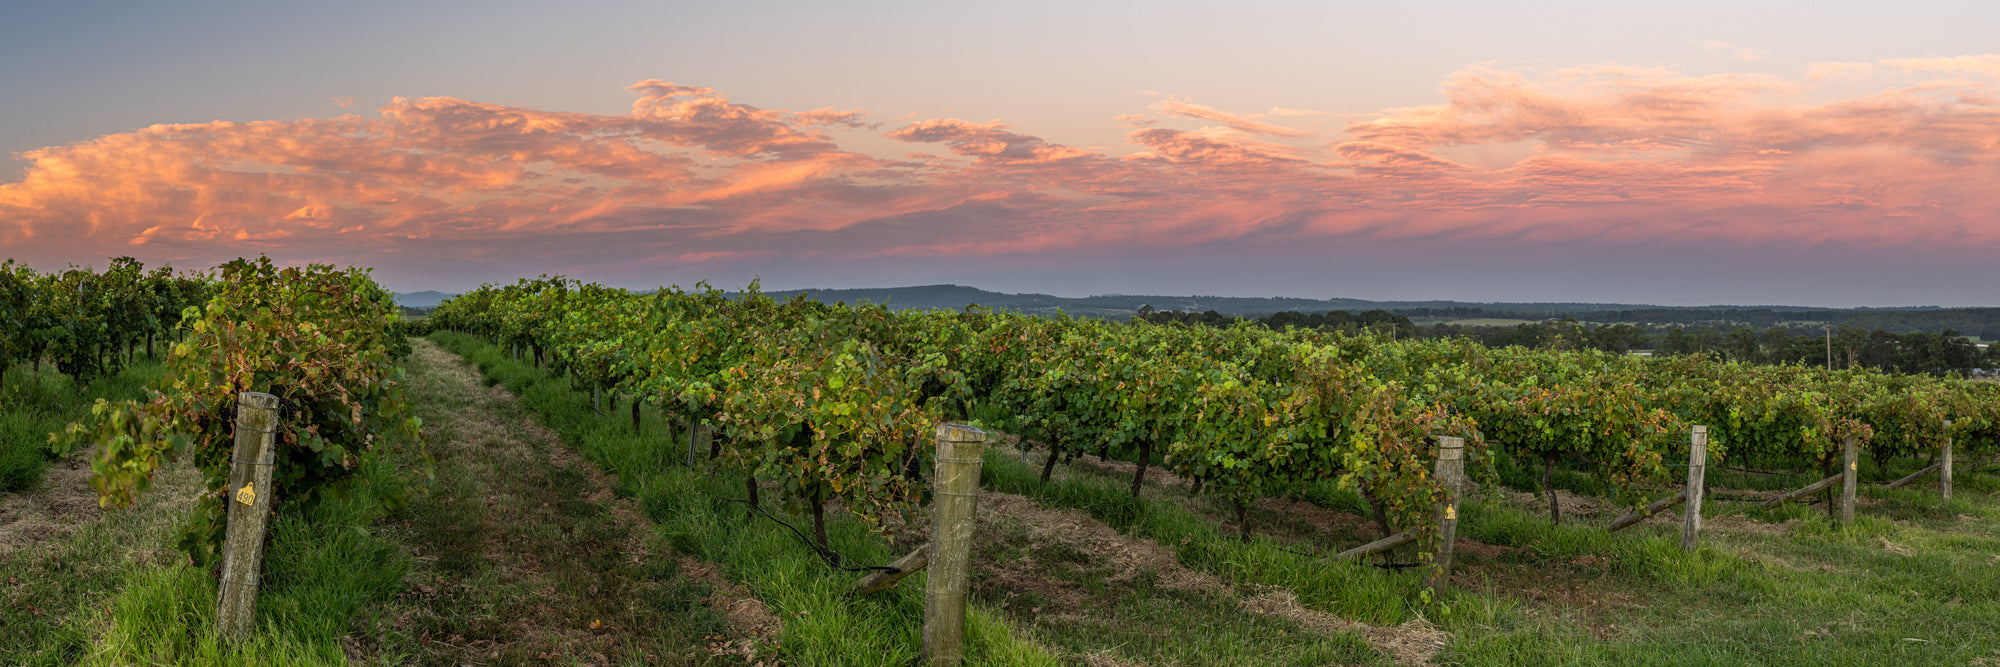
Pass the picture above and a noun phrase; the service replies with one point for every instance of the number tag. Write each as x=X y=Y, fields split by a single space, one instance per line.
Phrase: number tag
x=1450 y=513
x=247 y=495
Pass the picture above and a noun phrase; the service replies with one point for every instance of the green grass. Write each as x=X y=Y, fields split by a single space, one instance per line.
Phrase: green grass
x=1349 y=590
x=823 y=625
x=1815 y=593
x=1081 y=600
x=35 y=404
x=111 y=590
x=323 y=568
x=518 y=559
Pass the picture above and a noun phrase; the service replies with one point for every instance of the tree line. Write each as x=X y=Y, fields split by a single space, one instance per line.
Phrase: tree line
x=1985 y=322
x=1840 y=347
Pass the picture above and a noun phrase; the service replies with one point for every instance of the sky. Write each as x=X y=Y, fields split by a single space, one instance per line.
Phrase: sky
x=1821 y=153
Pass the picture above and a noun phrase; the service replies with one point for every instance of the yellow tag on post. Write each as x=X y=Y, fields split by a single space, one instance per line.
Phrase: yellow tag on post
x=247 y=495
x=1450 y=513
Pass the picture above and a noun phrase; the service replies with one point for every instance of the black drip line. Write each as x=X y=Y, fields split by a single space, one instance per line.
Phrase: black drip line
x=832 y=558
x=1323 y=556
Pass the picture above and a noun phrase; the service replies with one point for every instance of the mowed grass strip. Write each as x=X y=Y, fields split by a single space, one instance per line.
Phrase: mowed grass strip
x=1103 y=595
x=821 y=624
x=520 y=551
x=1913 y=581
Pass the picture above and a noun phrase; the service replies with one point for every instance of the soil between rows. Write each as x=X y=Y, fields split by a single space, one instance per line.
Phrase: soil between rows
x=525 y=555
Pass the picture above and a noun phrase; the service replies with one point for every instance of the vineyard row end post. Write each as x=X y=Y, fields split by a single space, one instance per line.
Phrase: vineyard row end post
x=1850 y=468
x=1944 y=474
x=249 y=497
x=1450 y=471
x=961 y=450
x=1697 y=474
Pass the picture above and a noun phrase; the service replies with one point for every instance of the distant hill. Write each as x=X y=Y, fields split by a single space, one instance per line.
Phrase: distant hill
x=424 y=299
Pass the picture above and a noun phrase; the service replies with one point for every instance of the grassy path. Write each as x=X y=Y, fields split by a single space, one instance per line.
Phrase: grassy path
x=523 y=553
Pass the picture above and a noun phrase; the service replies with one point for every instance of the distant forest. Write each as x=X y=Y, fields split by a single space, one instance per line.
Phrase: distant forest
x=1843 y=346
x=1983 y=323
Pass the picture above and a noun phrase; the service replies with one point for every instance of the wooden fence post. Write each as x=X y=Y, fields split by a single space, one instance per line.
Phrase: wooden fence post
x=1697 y=474
x=1377 y=546
x=1944 y=474
x=1808 y=489
x=249 y=501
x=1450 y=471
x=882 y=580
x=1850 y=468
x=955 y=491
x=1914 y=476
x=1634 y=517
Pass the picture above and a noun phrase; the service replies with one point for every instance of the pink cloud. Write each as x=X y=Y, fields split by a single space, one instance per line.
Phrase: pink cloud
x=1605 y=154
x=1181 y=109
x=1722 y=48
x=991 y=143
x=1987 y=64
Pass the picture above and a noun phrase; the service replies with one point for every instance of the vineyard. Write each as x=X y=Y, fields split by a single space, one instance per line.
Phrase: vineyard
x=1253 y=459
x=832 y=401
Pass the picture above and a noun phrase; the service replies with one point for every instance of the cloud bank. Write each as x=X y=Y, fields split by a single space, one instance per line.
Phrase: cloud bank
x=1601 y=156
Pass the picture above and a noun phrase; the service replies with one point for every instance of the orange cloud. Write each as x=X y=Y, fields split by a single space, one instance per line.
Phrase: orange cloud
x=1174 y=107
x=1988 y=64
x=1722 y=48
x=1605 y=154
x=991 y=142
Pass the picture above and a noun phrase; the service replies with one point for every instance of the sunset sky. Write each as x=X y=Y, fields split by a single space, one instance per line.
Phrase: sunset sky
x=1809 y=153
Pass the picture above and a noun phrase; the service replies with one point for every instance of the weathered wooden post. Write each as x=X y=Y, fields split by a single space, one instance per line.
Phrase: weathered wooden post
x=1450 y=471
x=882 y=580
x=1944 y=474
x=1634 y=517
x=1850 y=468
x=1808 y=489
x=1697 y=473
x=960 y=451
x=1377 y=546
x=249 y=500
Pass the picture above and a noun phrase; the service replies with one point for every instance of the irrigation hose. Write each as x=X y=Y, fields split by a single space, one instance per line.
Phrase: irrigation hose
x=832 y=558
x=1324 y=556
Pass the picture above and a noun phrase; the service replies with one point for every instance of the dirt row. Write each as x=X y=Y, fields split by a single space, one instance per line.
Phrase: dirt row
x=524 y=553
